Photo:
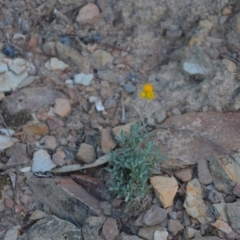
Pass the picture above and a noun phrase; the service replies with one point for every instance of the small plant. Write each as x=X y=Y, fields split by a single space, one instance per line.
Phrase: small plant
x=132 y=164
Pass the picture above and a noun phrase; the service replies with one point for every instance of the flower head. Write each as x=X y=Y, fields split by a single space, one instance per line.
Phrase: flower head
x=147 y=92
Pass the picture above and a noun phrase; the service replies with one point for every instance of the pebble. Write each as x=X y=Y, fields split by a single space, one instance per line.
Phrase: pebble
x=24 y=199
x=106 y=207
x=230 y=65
x=155 y=215
x=107 y=141
x=110 y=103
x=88 y=14
x=160 y=235
x=110 y=229
x=174 y=227
x=62 y=107
x=84 y=79
x=226 y=11
x=37 y=214
x=9 y=202
x=51 y=143
x=54 y=64
x=204 y=174
x=236 y=190
x=184 y=175
x=59 y=158
x=222 y=226
x=129 y=87
x=42 y=162
x=86 y=153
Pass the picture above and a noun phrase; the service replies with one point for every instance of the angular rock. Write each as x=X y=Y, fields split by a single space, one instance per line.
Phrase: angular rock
x=42 y=162
x=148 y=232
x=62 y=107
x=91 y=227
x=32 y=98
x=194 y=68
x=13 y=233
x=154 y=216
x=75 y=202
x=110 y=229
x=51 y=143
x=86 y=153
x=174 y=227
x=16 y=160
x=221 y=209
x=222 y=226
x=124 y=236
x=52 y=227
x=165 y=189
x=125 y=128
x=59 y=158
x=225 y=172
x=204 y=174
x=84 y=79
x=67 y=53
x=230 y=65
x=185 y=136
x=214 y=196
x=6 y=142
x=56 y=65
x=37 y=214
x=160 y=235
x=107 y=141
x=236 y=190
x=194 y=203
x=184 y=175
x=233 y=212
x=189 y=233
x=106 y=208
x=101 y=58
x=88 y=14
x=207 y=238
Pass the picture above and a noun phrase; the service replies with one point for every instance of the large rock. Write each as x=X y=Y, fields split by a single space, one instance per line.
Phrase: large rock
x=52 y=227
x=188 y=138
x=65 y=198
x=233 y=212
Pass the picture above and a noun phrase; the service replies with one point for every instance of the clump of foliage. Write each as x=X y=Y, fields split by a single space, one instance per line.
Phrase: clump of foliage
x=132 y=164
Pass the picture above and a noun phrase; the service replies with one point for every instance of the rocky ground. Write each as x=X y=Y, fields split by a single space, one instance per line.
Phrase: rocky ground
x=71 y=72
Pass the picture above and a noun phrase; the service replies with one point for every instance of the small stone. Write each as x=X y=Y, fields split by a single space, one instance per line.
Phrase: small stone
x=214 y=196
x=220 y=208
x=62 y=107
x=124 y=236
x=174 y=227
x=106 y=208
x=160 y=235
x=24 y=199
x=236 y=190
x=230 y=198
x=84 y=79
x=42 y=162
x=13 y=233
x=9 y=203
x=194 y=68
x=230 y=65
x=86 y=153
x=194 y=203
x=222 y=226
x=184 y=175
x=110 y=103
x=88 y=14
x=155 y=215
x=226 y=11
x=55 y=64
x=189 y=233
x=233 y=212
x=37 y=214
x=101 y=58
x=165 y=189
x=59 y=158
x=129 y=87
x=91 y=227
x=51 y=143
x=148 y=232
x=110 y=229
x=107 y=141
x=204 y=174
x=178 y=205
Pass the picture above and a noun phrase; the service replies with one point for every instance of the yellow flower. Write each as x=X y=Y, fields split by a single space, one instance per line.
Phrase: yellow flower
x=148 y=88
x=150 y=95
x=147 y=92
